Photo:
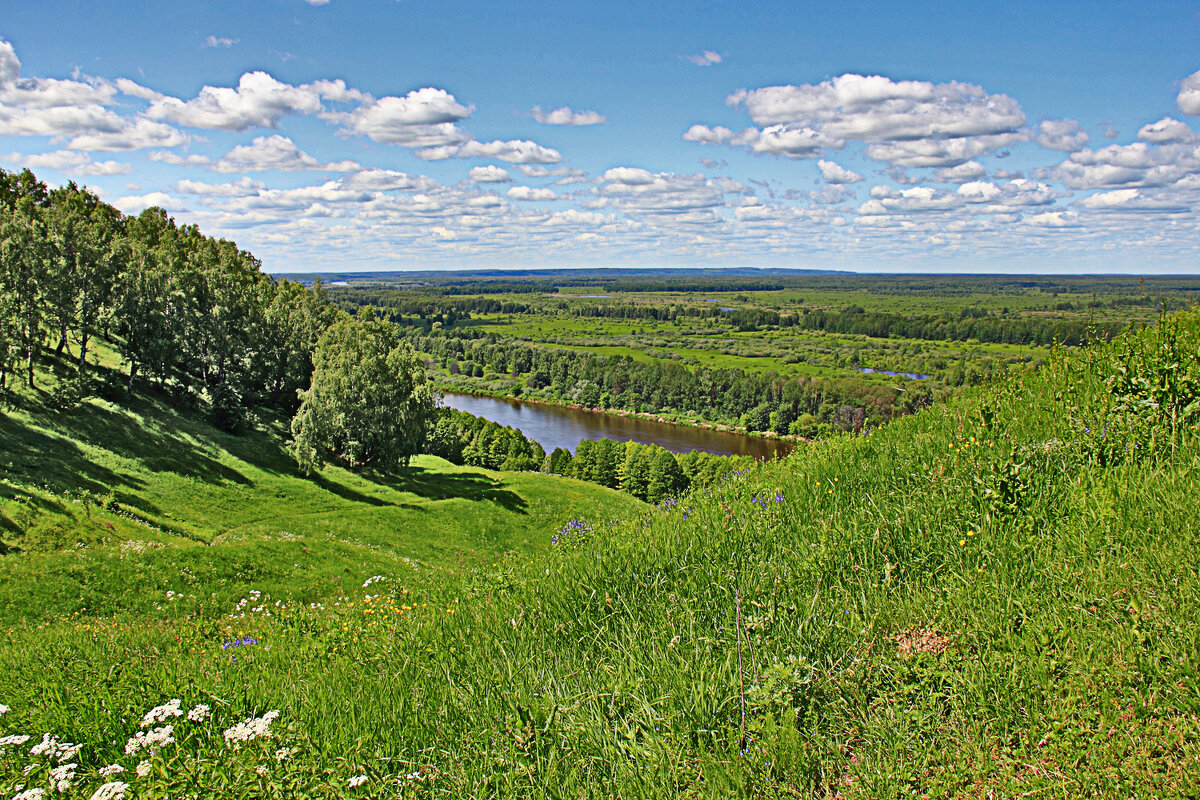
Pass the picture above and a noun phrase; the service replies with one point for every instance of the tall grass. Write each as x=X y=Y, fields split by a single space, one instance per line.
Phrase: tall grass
x=996 y=597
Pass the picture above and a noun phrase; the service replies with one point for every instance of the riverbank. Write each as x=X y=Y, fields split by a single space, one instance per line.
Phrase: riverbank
x=558 y=425
x=664 y=419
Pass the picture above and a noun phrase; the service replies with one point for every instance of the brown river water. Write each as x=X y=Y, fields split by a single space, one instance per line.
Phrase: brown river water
x=551 y=427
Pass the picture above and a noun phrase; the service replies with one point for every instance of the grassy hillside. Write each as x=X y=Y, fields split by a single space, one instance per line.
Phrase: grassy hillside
x=999 y=597
x=135 y=496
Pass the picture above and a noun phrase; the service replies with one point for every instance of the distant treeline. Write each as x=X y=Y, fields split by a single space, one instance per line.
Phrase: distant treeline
x=693 y=285
x=803 y=406
x=648 y=472
x=193 y=314
x=490 y=287
x=418 y=309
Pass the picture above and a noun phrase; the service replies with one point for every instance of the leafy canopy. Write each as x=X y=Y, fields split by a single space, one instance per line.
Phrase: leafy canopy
x=369 y=401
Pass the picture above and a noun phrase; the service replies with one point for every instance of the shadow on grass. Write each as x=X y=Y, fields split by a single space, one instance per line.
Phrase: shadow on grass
x=449 y=485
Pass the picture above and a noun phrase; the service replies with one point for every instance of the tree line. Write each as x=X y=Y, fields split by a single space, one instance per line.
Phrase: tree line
x=760 y=402
x=648 y=472
x=190 y=314
x=418 y=308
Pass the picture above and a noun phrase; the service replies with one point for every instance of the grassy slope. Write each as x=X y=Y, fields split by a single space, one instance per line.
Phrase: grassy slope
x=984 y=600
x=235 y=511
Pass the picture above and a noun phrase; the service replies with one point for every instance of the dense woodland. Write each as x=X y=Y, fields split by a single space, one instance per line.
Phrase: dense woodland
x=191 y=315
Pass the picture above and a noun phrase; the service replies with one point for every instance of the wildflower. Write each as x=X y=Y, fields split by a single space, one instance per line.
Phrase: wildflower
x=51 y=747
x=245 y=642
x=110 y=770
x=357 y=780
x=62 y=776
x=962 y=542
x=152 y=742
x=199 y=714
x=3 y=709
x=143 y=769
x=10 y=741
x=31 y=794
x=162 y=713
x=283 y=754
x=111 y=791
x=251 y=729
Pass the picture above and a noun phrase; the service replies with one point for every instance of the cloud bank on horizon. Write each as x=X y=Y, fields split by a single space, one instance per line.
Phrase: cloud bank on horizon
x=880 y=173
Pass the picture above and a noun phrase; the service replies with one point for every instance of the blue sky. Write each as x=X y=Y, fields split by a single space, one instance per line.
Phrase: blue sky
x=385 y=134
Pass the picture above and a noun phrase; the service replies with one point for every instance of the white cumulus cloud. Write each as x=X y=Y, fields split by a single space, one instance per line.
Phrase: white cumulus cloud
x=1061 y=134
x=489 y=174
x=1189 y=94
x=565 y=116
x=836 y=173
x=705 y=59
x=529 y=193
x=275 y=153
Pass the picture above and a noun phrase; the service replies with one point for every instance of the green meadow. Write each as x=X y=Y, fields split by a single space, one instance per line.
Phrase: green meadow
x=995 y=597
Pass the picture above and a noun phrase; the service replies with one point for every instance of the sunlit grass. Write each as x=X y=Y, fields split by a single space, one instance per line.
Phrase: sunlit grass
x=986 y=599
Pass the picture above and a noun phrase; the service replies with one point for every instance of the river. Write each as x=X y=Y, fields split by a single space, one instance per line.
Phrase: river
x=551 y=427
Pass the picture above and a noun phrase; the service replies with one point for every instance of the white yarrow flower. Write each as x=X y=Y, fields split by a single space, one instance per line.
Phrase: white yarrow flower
x=62 y=776
x=51 y=747
x=110 y=770
x=199 y=714
x=31 y=794
x=143 y=769
x=163 y=713
x=11 y=741
x=357 y=780
x=3 y=708
x=251 y=729
x=111 y=791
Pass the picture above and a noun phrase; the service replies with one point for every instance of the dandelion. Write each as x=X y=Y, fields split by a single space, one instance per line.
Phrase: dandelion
x=163 y=713
x=143 y=769
x=110 y=770
x=357 y=780
x=111 y=791
x=199 y=714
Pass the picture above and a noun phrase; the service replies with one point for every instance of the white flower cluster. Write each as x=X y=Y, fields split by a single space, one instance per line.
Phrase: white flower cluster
x=110 y=770
x=3 y=709
x=357 y=780
x=62 y=776
x=11 y=741
x=284 y=753
x=143 y=769
x=251 y=729
x=51 y=747
x=199 y=713
x=163 y=713
x=373 y=579
x=111 y=791
x=30 y=794
x=152 y=742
